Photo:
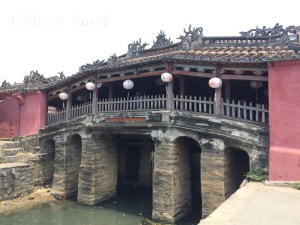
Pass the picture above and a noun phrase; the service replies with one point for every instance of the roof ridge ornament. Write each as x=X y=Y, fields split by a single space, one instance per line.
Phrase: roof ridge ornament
x=135 y=48
x=112 y=59
x=275 y=32
x=89 y=66
x=34 y=78
x=161 y=40
x=5 y=84
x=192 y=38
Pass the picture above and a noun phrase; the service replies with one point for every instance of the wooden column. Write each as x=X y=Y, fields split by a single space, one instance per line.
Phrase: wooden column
x=169 y=91
x=218 y=94
x=95 y=98
x=170 y=95
x=68 y=105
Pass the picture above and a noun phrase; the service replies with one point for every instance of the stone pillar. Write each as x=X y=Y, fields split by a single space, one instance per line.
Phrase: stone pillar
x=66 y=166
x=212 y=176
x=98 y=170
x=171 y=181
x=58 y=186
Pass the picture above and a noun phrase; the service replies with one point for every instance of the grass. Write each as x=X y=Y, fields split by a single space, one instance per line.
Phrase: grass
x=256 y=175
x=297 y=186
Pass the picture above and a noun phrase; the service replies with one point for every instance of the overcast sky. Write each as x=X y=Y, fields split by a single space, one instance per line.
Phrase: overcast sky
x=54 y=36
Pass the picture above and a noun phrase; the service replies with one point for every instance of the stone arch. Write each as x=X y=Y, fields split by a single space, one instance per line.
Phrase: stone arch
x=135 y=161
x=236 y=165
x=47 y=161
x=73 y=154
x=188 y=174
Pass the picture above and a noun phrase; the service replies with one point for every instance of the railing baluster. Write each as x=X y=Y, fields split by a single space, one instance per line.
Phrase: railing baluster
x=263 y=119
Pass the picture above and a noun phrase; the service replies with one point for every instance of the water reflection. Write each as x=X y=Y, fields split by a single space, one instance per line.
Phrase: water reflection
x=130 y=208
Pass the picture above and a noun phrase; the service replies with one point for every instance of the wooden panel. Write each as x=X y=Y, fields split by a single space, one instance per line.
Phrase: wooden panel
x=242 y=77
x=195 y=74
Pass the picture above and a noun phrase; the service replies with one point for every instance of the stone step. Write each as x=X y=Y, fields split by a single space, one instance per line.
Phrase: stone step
x=12 y=151
x=12 y=159
x=11 y=144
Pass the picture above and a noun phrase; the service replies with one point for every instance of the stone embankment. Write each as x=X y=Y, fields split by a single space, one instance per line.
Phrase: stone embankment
x=20 y=168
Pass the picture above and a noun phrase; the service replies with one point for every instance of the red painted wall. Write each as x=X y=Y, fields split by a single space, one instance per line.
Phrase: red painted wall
x=9 y=118
x=284 y=106
x=33 y=113
x=24 y=114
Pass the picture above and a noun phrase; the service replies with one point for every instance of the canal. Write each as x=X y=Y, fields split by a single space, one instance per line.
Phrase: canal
x=130 y=208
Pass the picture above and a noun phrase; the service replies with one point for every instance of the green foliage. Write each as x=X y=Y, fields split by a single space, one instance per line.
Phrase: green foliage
x=297 y=186
x=256 y=175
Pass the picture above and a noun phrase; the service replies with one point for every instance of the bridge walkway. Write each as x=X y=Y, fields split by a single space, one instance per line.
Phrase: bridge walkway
x=258 y=204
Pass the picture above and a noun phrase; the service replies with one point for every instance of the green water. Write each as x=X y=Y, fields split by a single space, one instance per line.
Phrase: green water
x=127 y=209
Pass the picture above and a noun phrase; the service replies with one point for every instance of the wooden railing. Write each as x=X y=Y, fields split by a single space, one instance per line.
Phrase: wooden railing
x=155 y=102
x=54 y=116
x=194 y=104
x=201 y=105
x=241 y=110
x=81 y=109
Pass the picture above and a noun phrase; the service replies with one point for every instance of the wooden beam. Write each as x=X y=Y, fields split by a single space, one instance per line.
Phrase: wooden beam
x=193 y=74
x=242 y=77
x=134 y=76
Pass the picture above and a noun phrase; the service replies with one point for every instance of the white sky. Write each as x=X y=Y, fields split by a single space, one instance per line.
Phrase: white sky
x=54 y=36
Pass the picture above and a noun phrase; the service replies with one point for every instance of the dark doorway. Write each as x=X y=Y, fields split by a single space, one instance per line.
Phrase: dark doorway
x=47 y=162
x=135 y=171
x=236 y=167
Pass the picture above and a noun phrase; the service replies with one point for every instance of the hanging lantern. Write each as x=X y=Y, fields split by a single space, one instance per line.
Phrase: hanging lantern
x=79 y=98
x=215 y=82
x=166 y=77
x=90 y=86
x=128 y=84
x=63 y=96
x=159 y=82
x=256 y=84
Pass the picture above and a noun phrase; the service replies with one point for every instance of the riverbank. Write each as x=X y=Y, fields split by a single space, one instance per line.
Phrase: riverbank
x=39 y=196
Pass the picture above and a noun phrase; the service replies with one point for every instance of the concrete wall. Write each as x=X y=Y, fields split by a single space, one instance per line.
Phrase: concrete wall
x=284 y=100
x=16 y=179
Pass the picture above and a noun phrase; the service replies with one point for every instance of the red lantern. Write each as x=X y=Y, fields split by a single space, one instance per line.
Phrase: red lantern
x=215 y=82
x=166 y=77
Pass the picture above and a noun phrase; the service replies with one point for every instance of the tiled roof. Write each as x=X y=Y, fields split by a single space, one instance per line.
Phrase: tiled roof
x=226 y=54
x=255 y=46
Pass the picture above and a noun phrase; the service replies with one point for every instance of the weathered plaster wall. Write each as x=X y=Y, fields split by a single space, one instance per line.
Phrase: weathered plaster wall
x=284 y=100
x=33 y=113
x=22 y=114
x=9 y=118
